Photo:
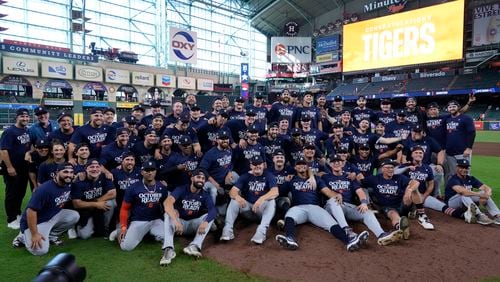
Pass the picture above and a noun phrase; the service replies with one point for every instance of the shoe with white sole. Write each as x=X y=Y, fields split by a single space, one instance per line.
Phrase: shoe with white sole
x=15 y=224
x=404 y=227
x=192 y=250
x=484 y=219
x=113 y=235
x=168 y=256
x=388 y=238
x=470 y=214
x=287 y=242
x=72 y=233
x=424 y=221
x=497 y=220
x=226 y=235
x=18 y=242
x=363 y=238
x=258 y=238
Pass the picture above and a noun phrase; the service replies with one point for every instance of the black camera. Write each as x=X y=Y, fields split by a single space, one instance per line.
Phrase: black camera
x=62 y=268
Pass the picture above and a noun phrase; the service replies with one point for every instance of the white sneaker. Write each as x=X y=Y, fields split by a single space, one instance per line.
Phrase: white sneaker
x=258 y=238
x=192 y=250
x=113 y=235
x=15 y=224
x=227 y=236
x=72 y=233
x=424 y=221
x=168 y=256
x=18 y=242
x=484 y=219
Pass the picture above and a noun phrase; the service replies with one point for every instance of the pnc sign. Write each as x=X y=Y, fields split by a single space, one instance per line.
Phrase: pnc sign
x=183 y=46
x=291 y=50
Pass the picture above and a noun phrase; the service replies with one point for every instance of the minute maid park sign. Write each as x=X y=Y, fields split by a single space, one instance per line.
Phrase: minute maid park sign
x=392 y=5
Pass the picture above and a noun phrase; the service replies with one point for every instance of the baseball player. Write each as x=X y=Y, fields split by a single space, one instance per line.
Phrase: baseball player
x=43 y=127
x=144 y=202
x=339 y=140
x=45 y=217
x=65 y=131
x=340 y=204
x=271 y=142
x=179 y=167
x=252 y=196
x=283 y=173
x=385 y=115
x=305 y=208
x=260 y=110
x=400 y=127
x=47 y=169
x=188 y=210
x=243 y=154
x=362 y=112
x=145 y=150
x=308 y=109
x=282 y=109
x=82 y=153
x=37 y=157
x=182 y=128
x=177 y=110
x=110 y=156
x=459 y=192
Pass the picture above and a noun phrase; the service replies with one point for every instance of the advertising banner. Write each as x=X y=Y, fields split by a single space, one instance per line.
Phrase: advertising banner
x=290 y=50
x=88 y=73
x=20 y=66
x=494 y=125
x=117 y=76
x=166 y=80
x=426 y=35
x=44 y=52
x=393 y=77
x=57 y=70
x=486 y=25
x=327 y=44
x=49 y=102
x=479 y=125
x=183 y=46
x=143 y=78
x=205 y=84
x=327 y=57
x=184 y=82
x=244 y=80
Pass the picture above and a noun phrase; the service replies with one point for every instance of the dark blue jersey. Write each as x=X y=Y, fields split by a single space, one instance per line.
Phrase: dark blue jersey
x=415 y=116
x=142 y=153
x=359 y=114
x=314 y=136
x=88 y=190
x=385 y=117
x=350 y=168
x=17 y=142
x=95 y=137
x=345 y=142
x=365 y=166
x=218 y=163
x=253 y=187
x=435 y=128
x=270 y=146
x=177 y=177
x=46 y=172
x=342 y=185
x=421 y=173
x=193 y=205
x=399 y=129
x=281 y=175
x=316 y=167
x=195 y=124
x=238 y=129
x=147 y=202
x=427 y=143
x=207 y=136
x=261 y=115
x=111 y=155
x=176 y=135
x=242 y=156
x=36 y=161
x=47 y=200
x=280 y=110
x=469 y=182
x=122 y=180
x=388 y=192
x=312 y=112
x=302 y=191
x=236 y=115
x=61 y=137
x=460 y=134
x=361 y=138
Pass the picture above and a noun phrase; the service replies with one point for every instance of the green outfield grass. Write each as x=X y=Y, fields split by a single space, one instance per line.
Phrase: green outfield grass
x=488 y=136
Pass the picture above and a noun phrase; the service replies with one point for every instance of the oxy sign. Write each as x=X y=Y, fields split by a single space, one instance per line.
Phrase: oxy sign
x=183 y=46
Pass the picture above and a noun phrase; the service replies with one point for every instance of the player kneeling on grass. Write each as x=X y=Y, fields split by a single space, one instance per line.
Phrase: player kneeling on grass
x=45 y=217
x=94 y=199
x=459 y=193
x=188 y=210
x=144 y=201
x=423 y=173
x=395 y=194
x=306 y=195
x=253 y=196
x=340 y=205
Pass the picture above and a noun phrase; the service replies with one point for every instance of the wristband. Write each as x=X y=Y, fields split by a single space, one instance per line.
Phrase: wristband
x=124 y=227
x=364 y=201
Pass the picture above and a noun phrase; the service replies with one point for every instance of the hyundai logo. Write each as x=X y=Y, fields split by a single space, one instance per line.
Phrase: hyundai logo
x=183 y=45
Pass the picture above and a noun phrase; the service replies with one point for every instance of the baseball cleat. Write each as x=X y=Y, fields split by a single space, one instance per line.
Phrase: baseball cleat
x=404 y=226
x=287 y=242
x=168 y=256
x=388 y=238
x=470 y=214
x=280 y=224
x=484 y=219
x=424 y=221
x=192 y=250
x=363 y=238
x=56 y=241
x=353 y=244
x=350 y=233
x=226 y=236
x=258 y=239
x=497 y=221
x=18 y=242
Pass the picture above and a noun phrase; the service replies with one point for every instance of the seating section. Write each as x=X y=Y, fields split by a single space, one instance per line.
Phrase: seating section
x=347 y=89
x=478 y=80
x=427 y=84
x=383 y=87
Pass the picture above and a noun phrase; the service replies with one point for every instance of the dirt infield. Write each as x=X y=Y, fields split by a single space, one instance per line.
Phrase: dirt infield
x=486 y=149
x=455 y=251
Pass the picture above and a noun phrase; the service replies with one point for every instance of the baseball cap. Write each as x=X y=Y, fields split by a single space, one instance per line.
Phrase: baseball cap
x=310 y=145
x=416 y=148
x=338 y=98
x=40 y=111
x=388 y=162
x=184 y=118
x=259 y=95
x=22 y=111
x=195 y=107
x=253 y=128
x=109 y=109
x=300 y=160
x=463 y=163
x=279 y=152
x=305 y=118
x=363 y=146
x=126 y=154
x=148 y=165
x=122 y=130
x=223 y=113
x=95 y=110
x=385 y=102
x=337 y=125
x=342 y=150
x=199 y=171
x=411 y=98
x=401 y=113
x=223 y=134
x=149 y=131
x=335 y=157
x=185 y=140
x=130 y=120
x=64 y=114
x=273 y=125
x=296 y=132
x=80 y=145
x=240 y=100
x=417 y=128
x=295 y=94
x=92 y=161
x=138 y=107
x=42 y=143
x=158 y=115
x=165 y=136
x=433 y=105
x=346 y=112
x=63 y=166
x=308 y=93
x=155 y=104
x=256 y=160
x=251 y=113
x=453 y=102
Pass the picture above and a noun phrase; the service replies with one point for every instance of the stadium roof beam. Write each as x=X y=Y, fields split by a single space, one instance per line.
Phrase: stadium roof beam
x=269 y=25
x=188 y=23
x=221 y=7
x=300 y=11
x=263 y=10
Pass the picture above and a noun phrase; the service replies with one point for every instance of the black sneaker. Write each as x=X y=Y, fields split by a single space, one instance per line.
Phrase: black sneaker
x=56 y=241
x=18 y=242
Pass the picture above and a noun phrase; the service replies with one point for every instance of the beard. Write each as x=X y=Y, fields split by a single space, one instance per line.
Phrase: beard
x=198 y=185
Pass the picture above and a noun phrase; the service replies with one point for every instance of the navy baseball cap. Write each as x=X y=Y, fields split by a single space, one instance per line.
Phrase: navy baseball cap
x=364 y=146
x=305 y=118
x=223 y=113
x=165 y=136
x=388 y=162
x=149 y=131
x=401 y=113
x=195 y=107
x=259 y=95
x=335 y=157
x=416 y=148
x=148 y=165
x=295 y=94
x=411 y=98
x=138 y=107
x=130 y=120
x=185 y=140
x=40 y=111
x=417 y=128
x=385 y=102
x=453 y=102
x=342 y=150
x=126 y=154
x=155 y=104
x=253 y=128
x=199 y=171
x=361 y=97
x=346 y=112
x=158 y=115
x=96 y=110
x=22 y=111
x=42 y=143
x=338 y=98
x=296 y=132
x=433 y=105
x=109 y=109
x=310 y=145
x=251 y=113
x=63 y=166
x=463 y=163
x=64 y=114
x=223 y=134
x=300 y=160
x=240 y=100
x=256 y=160
x=121 y=131
x=92 y=161
x=184 y=118
x=279 y=152
x=337 y=125
x=80 y=145
x=273 y=125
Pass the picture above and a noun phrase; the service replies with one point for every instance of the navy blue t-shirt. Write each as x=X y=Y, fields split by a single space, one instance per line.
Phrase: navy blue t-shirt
x=236 y=115
x=359 y=114
x=312 y=112
x=270 y=146
x=122 y=180
x=147 y=203
x=242 y=156
x=46 y=172
x=460 y=134
x=435 y=128
x=181 y=177
x=142 y=153
x=218 y=163
x=111 y=155
x=261 y=115
x=281 y=175
x=207 y=136
x=95 y=137
x=398 y=129
x=361 y=138
x=279 y=110
x=421 y=173
x=346 y=142
x=17 y=142
x=193 y=205
x=350 y=168
x=388 y=192
x=59 y=135
x=176 y=135
x=469 y=183
x=427 y=143
x=88 y=190
x=342 y=185
x=385 y=117
x=47 y=200
x=253 y=187
x=314 y=136
x=365 y=166
x=415 y=117
x=302 y=191
x=36 y=161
